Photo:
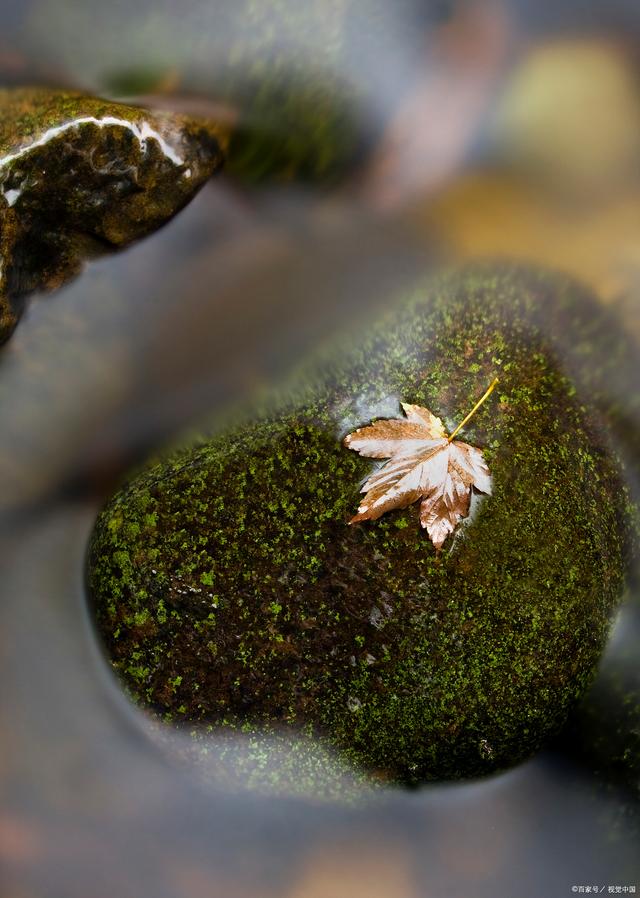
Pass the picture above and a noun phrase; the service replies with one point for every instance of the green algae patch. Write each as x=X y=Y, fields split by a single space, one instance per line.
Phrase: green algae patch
x=80 y=176
x=230 y=591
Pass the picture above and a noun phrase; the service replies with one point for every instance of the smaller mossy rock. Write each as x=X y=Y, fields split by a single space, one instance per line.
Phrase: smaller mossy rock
x=80 y=176
x=229 y=589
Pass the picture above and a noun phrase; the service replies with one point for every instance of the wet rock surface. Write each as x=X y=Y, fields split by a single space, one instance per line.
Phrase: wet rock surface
x=230 y=591
x=80 y=176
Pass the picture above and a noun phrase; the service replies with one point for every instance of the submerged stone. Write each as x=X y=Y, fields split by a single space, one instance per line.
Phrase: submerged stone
x=230 y=591
x=80 y=176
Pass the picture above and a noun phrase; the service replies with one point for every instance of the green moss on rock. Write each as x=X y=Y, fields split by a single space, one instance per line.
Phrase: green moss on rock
x=274 y=764
x=80 y=176
x=230 y=591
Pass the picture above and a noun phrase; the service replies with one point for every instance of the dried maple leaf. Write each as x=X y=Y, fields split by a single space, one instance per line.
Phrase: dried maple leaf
x=424 y=463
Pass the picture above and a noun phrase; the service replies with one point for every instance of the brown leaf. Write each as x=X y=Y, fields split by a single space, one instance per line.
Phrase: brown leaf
x=423 y=464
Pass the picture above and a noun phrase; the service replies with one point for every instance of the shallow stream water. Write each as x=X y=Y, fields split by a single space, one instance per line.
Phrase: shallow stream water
x=217 y=305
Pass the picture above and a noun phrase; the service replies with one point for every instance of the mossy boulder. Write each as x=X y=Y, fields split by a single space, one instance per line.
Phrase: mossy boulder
x=80 y=176
x=229 y=589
